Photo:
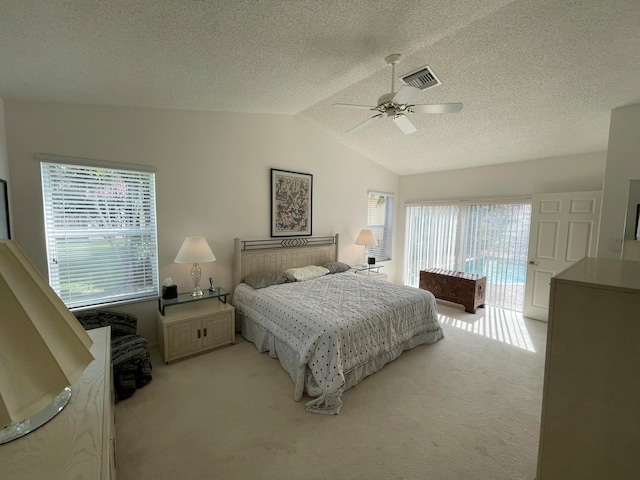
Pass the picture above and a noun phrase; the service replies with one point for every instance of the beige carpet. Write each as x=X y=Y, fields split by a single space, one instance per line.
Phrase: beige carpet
x=467 y=407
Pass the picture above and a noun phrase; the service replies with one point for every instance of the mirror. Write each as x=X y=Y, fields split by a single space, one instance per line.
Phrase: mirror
x=631 y=246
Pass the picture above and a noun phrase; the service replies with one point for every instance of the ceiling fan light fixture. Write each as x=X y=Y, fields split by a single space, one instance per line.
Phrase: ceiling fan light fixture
x=404 y=124
x=398 y=104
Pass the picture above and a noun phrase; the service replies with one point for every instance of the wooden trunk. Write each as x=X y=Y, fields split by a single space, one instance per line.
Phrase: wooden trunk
x=466 y=289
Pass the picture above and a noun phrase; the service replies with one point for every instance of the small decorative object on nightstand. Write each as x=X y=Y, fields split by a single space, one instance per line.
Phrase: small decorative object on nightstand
x=169 y=290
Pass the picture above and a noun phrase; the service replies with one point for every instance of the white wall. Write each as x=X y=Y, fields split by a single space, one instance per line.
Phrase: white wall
x=213 y=177
x=4 y=161
x=623 y=165
x=550 y=175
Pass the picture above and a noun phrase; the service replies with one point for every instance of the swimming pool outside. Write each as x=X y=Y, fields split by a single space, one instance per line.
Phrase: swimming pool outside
x=497 y=270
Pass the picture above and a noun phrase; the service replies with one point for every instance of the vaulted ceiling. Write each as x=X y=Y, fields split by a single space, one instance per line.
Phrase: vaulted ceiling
x=538 y=78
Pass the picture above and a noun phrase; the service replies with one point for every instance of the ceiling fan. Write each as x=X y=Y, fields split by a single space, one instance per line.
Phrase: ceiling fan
x=397 y=105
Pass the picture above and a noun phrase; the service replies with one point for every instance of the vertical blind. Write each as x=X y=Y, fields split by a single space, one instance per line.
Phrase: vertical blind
x=380 y=222
x=100 y=226
x=489 y=239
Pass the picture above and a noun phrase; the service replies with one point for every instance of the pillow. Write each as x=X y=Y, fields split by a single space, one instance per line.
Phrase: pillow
x=307 y=273
x=289 y=278
x=337 y=267
x=265 y=279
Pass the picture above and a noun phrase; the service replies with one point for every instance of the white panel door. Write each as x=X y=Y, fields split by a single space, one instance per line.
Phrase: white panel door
x=564 y=229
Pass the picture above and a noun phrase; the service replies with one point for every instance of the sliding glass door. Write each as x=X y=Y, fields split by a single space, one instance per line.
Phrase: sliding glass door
x=489 y=239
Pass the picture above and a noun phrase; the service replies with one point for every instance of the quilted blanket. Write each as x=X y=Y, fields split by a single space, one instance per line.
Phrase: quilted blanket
x=340 y=323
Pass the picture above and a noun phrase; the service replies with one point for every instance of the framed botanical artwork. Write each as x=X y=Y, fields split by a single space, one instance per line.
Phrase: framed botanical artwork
x=291 y=200
x=5 y=229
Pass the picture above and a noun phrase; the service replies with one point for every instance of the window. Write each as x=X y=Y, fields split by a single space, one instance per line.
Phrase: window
x=100 y=225
x=379 y=221
x=490 y=239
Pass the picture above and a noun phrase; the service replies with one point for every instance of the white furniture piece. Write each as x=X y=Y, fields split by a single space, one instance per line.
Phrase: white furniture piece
x=591 y=396
x=80 y=441
x=194 y=327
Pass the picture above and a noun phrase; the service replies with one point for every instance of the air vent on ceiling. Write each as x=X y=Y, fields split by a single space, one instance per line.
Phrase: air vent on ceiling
x=422 y=78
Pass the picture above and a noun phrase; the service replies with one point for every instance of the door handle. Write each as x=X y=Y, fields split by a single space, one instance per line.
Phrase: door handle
x=533 y=263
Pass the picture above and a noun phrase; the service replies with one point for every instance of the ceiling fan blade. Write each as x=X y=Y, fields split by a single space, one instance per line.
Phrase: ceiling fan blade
x=404 y=124
x=365 y=123
x=349 y=105
x=436 y=108
x=404 y=95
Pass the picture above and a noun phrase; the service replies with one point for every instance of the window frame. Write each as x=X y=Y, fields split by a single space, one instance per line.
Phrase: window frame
x=383 y=233
x=73 y=226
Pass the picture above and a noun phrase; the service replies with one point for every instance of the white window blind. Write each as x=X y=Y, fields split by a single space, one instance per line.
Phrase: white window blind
x=489 y=239
x=380 y=222
x=100 y=226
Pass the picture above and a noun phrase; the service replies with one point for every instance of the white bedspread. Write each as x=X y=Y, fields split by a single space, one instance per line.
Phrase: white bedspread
x=337 y=323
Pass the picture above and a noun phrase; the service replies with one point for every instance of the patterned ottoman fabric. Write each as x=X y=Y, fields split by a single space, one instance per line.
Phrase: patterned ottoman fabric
x=120 y=323
x=130 y=356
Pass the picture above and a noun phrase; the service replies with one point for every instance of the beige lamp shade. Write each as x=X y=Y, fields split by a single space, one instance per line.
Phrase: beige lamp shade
x=195 y=250
x=366 y=238
x=43 y=348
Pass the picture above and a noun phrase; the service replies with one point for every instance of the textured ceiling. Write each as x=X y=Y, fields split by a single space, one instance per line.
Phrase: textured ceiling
x=537 y=78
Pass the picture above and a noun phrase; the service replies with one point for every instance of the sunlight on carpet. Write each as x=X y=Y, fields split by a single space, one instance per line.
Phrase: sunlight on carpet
x=506 y=326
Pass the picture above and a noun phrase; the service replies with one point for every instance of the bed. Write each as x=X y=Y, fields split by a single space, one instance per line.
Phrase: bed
x=330 y=330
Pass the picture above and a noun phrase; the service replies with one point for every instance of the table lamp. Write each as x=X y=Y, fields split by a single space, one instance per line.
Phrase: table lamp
x=365 y=238
x=195 y=250
x=43 y=347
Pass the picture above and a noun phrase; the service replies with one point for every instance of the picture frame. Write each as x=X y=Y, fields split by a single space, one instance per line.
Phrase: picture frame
x=5 y=227
x=291 y=203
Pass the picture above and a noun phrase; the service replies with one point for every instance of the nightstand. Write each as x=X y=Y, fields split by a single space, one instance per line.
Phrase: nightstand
x=194 y=324
x=372 y=271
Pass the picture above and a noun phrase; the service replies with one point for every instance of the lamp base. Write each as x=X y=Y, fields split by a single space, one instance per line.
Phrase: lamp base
x=20 y=429
x=365 y=256
x=196 y=273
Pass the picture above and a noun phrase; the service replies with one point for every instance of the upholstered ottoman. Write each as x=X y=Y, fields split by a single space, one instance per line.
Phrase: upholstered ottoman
x=130 y=357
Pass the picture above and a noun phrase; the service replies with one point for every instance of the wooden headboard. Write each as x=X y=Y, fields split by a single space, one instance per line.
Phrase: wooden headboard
x=278 y=254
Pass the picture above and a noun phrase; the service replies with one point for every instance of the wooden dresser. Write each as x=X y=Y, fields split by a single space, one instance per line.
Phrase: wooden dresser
x=590 y=426
x=79 y=442
x=463 y=288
